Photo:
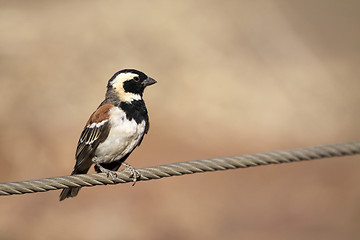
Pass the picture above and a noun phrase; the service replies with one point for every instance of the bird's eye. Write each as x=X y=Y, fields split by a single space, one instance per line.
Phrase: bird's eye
x=136 y=79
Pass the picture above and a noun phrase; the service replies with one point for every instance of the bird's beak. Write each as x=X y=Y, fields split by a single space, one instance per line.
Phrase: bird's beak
x=149 y=81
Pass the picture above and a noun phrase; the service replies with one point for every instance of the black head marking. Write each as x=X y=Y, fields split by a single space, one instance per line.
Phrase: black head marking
x=134 y=81
x=142 y=76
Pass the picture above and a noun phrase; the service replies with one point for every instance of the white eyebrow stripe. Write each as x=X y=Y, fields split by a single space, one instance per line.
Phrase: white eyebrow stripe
x=117 y=84
x=122 y=77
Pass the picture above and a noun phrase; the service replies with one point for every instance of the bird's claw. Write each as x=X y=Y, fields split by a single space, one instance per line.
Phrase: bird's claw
x=133 y=172
x=111 y=174
x=108 y=172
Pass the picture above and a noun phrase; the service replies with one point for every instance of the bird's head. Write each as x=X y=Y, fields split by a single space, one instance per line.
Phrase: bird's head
x=129 y=84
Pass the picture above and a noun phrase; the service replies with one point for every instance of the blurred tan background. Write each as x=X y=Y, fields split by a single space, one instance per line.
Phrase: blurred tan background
x=233 y=77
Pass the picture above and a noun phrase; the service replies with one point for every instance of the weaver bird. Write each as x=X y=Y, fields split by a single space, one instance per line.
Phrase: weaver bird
x=115 y=129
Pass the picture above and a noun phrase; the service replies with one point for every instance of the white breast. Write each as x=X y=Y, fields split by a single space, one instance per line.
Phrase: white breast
x=123 y=137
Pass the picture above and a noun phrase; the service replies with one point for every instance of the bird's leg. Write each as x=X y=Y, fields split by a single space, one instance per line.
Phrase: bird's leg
x=134 y=173
x=108 y=172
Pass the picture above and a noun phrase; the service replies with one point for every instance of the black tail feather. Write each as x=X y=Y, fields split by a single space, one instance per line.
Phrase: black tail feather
x=72 y=191
x=69 y=193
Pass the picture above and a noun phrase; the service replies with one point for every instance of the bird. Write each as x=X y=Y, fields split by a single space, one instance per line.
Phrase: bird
x=115 y=129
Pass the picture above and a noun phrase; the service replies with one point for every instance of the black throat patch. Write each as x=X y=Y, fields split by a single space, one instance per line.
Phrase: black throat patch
x=136 y=110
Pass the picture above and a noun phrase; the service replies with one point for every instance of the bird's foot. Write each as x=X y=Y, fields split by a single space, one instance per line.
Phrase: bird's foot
x=134 y=173
x=108 y=172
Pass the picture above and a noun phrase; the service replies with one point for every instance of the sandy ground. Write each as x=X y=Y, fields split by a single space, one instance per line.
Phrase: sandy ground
x=233 y=77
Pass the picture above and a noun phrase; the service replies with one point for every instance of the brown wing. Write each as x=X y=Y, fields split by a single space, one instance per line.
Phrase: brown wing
x=96 y=131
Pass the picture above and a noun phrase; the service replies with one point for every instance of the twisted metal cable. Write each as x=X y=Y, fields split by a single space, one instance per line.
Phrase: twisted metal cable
x=182 y=168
